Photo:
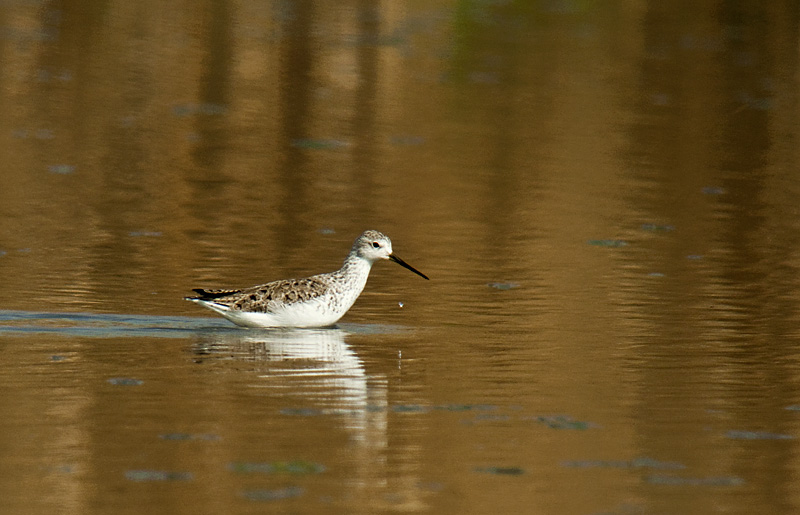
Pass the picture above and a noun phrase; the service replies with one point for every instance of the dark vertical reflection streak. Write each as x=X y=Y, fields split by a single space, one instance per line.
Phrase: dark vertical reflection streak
x=759 y=268
x=297 y=87
x=365 y=128
x=214 y=92
x=208 y=140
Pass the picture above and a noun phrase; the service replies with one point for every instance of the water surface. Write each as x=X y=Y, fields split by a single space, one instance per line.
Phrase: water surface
x=604 y=196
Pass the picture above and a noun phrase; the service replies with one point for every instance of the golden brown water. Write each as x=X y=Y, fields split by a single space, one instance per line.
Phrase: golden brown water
x=605 y=198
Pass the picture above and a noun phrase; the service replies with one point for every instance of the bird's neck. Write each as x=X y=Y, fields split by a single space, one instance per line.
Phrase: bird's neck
x=351 y=279
x=354 y=268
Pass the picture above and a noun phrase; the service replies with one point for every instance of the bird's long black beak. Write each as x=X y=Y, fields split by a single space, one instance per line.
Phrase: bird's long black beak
x=402 y=263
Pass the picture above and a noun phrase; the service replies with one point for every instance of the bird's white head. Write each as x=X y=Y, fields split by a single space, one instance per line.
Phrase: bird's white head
x=373 y=245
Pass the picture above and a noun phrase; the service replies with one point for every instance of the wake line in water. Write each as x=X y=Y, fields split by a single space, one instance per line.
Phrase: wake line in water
x=104 y=325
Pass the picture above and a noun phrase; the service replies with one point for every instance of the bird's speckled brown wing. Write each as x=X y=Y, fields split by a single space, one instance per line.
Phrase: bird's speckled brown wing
x=268 y=297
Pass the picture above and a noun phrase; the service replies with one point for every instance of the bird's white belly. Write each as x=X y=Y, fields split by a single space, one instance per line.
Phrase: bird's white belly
x=306 y=314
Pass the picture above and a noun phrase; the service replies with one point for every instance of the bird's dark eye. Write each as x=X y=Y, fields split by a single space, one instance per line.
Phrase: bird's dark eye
x=375 y=245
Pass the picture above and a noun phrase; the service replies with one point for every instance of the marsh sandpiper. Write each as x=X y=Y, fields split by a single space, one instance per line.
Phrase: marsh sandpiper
x=316 y=301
